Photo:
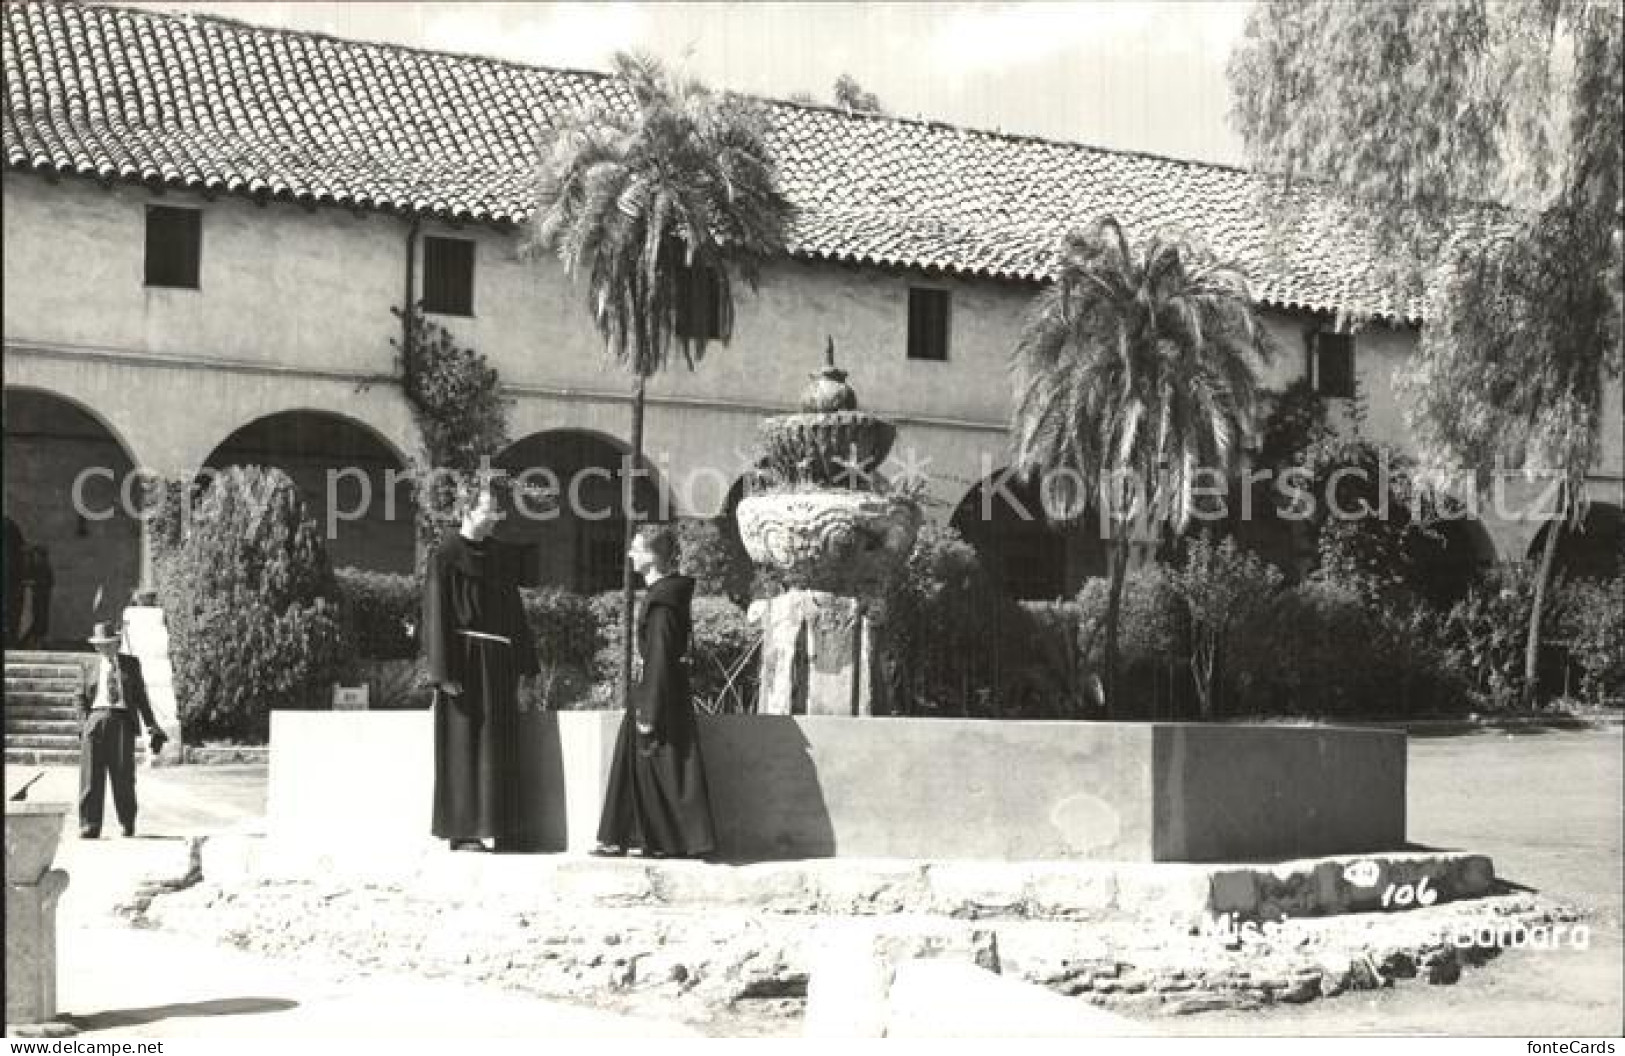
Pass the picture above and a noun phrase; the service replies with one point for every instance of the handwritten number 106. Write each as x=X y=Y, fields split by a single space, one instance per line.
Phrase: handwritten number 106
x=1419 y=893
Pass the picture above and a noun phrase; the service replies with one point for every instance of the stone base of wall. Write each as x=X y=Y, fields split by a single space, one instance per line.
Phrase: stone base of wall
x=795 y=787
x=716 y=935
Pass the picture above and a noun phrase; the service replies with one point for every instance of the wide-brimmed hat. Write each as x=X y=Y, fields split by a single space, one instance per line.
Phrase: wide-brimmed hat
x=102 y=636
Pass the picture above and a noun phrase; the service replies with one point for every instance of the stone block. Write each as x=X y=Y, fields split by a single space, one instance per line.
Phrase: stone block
x=937 y=998
x=1071 y=890
x=976 y=889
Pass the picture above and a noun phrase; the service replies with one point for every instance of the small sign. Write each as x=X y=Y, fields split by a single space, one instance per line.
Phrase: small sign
x=350 y=698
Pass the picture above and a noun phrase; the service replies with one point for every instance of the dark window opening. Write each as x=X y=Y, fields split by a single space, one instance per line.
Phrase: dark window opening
x=699 y=304
x=927 y=324
x=1334 y=365
x=174 y=246
x=448 y=276
x=603 y=555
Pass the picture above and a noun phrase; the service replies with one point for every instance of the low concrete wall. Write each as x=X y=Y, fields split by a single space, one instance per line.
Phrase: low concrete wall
x=798 y=787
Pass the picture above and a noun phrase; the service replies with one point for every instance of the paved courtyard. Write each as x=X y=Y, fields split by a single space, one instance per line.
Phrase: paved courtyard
x=1546 y=805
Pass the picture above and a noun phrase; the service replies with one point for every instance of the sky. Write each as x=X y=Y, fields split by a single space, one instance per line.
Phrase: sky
x=1112 y=73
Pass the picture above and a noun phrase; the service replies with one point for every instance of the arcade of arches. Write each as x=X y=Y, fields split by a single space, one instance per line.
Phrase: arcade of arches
x=51 y=440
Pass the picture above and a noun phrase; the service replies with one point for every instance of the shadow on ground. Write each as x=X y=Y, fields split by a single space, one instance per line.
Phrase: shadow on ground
x=137 y=1017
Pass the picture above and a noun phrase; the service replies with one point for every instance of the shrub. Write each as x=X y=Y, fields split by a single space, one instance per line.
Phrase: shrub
x=723 y=661
x=1319 y=650
x=1591 y=617
x=1486 y=632
x=724 y=658
x=948 y=629
x=382 y=611
x=568 y=635
x=714 y=556
x=1221 y=586
x=1153 y=641
x=250 y=601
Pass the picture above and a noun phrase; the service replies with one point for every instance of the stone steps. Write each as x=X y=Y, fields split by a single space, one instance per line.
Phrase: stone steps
x=30 y=697
x=67 y=709
x=42 y=718
x=45 y=658
x=41 y=756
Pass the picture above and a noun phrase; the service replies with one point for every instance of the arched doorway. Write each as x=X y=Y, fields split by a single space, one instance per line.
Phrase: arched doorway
x=340 y=462
x=1589 y=550
x=1447 y=554
x=577 y=543
x=1023 y=549
x=64 y=475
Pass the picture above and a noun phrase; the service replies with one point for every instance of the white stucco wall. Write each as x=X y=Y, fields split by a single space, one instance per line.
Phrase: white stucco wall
x=293 y=313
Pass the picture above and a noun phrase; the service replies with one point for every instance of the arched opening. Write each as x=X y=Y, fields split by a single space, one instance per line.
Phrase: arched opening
x=1447 y=554
x=1249 y=515
x=1025 y=551
x=1589 y=550
x=64 y=475
x=578 y=542
x=349 y=477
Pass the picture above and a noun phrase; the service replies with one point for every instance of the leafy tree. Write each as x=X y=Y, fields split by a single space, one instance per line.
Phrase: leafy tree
x=1222 y=586
x=1135 y=373
x=850 y=94
x=640 y=200
x=250 y=600
x=456 y=399
x=1407 y=112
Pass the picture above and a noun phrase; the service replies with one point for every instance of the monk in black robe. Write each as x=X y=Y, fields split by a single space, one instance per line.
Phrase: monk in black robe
x=657 y=799
x=477 y=645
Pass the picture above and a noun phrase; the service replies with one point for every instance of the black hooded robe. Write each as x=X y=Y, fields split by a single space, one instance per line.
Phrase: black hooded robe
x=474 y=586
x=657 y=798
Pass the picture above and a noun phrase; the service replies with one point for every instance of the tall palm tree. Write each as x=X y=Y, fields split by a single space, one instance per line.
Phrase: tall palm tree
x=640 y=200
x=1135 y=372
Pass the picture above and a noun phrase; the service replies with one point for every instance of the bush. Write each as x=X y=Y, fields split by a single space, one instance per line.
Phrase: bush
x=382 y=611
x=1221 y=586
x=568 y=635
x=948 y=629
x=714 y=556
x=1592 y=621
x=1487 y=631
x=1153 y=642
x=1319 y=650
x=250 y=601
x=724 y=658
x=723 y=661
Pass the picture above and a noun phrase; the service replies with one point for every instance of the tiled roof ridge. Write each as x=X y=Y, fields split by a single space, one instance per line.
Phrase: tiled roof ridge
x=175 y=98
x=173 y=15
x=933 y=124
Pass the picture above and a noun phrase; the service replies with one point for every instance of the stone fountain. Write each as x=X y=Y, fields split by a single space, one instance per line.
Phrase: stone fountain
x=823 y=523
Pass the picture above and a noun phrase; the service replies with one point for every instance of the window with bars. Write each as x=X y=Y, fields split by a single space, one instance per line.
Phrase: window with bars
x=1334 y=365
x=699 y=304
x=448 y=276
x=928 y=323
x=174 y=246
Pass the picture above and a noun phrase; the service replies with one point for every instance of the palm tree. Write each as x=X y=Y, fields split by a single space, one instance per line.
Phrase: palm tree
x=643 y=199
x=1135 y=373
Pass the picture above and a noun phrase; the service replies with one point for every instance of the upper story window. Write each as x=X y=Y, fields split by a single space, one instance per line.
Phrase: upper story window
x=174 y=246
x=448 y=276
x=928 y=323
x=1334 y=364
x=699 y=304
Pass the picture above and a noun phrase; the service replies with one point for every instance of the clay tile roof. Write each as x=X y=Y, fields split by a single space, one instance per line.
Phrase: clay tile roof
x=216 y=105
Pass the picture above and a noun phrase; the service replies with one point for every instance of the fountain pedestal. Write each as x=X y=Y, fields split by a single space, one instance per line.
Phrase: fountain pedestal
x=818 y=655
x=834 y=534
x=33 y=889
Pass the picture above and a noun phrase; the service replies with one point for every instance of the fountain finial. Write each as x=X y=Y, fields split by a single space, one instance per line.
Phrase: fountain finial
x=829 y=391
